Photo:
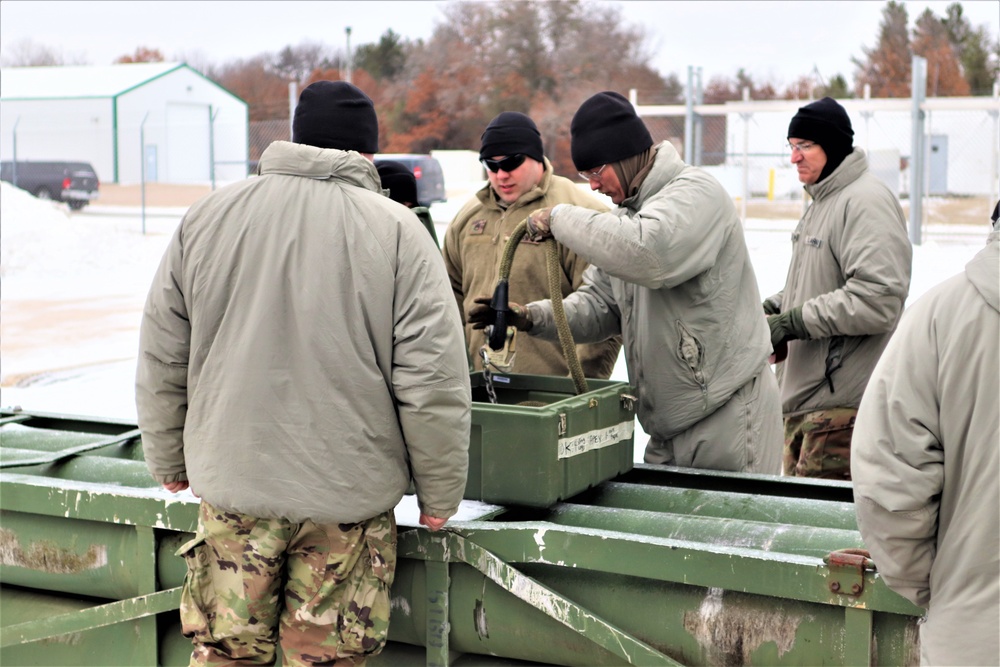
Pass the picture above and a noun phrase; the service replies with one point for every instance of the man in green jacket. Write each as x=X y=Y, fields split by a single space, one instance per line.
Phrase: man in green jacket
x=521 y=180
x=847 y=282
x=300 y=359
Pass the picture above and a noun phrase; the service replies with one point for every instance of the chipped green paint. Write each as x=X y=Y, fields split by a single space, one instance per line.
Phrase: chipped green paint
x=47 y=556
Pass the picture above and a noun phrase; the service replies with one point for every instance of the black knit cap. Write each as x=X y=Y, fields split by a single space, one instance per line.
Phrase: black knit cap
x=826 y=123
x=399 y=180
x=606 y=129
x=335 y=114
x=511 y=133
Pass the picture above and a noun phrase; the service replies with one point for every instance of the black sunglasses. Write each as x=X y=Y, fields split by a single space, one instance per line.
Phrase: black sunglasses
x=508 y=164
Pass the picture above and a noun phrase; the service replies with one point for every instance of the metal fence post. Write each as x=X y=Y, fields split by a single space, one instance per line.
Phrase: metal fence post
x=699 y=122
x=212 y=115
x=689 y=117
x=13 y=164
x=142 y=168
x=293 y=98
x=995 y=162
x=746 y=156
x=917 y=157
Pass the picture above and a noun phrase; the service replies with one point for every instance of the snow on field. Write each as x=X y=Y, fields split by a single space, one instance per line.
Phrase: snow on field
x=73 y=285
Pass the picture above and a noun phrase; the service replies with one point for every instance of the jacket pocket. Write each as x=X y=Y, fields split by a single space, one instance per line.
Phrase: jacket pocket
x=198 y=596
x=692 y=353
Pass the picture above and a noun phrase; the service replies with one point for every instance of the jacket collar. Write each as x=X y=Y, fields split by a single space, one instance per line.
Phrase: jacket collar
x=853 y=166
x=284 y=157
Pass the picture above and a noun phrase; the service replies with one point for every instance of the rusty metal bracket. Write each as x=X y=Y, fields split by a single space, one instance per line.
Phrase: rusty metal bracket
x=847 y=570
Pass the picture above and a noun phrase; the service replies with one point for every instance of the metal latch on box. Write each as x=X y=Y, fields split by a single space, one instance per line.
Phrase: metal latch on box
x=847 y=570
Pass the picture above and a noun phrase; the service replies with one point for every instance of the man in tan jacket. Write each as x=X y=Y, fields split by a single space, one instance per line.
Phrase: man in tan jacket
x=300 y=362
x=926 y=461
x=521 y=180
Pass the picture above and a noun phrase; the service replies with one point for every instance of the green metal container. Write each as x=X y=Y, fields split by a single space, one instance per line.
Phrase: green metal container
x=541 y=442
x=657 y=566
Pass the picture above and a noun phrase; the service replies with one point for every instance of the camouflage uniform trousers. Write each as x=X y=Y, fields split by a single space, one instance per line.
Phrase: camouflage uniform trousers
x=325 y=587
x=818 y=444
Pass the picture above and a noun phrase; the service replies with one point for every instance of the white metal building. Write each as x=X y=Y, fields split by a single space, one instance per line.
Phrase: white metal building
x=158 y=122
x=961 y=138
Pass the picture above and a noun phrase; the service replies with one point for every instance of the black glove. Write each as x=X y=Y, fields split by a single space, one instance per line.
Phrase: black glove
x=771 y=306
x=483 y=315
x=787 y=326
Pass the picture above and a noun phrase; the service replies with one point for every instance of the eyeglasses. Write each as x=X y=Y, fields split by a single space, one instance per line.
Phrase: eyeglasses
x=508 y=164
x=593 y=174
x=803 y=147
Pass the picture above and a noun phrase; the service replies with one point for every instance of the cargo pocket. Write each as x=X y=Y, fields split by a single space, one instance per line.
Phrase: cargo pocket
x=364 y=617
x=198 y=597
x=826 y=449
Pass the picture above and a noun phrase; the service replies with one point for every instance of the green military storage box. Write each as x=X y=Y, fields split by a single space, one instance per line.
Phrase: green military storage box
x=541 y=442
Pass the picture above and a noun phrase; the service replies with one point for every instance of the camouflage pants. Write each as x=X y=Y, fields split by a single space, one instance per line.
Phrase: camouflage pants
x=818 y=444
x=324 y=588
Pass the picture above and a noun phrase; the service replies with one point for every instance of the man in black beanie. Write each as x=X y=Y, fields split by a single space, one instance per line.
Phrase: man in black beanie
x=670 y=272
x=847 y=282
x=400 y=186
x=520 y=180
x=300 y=362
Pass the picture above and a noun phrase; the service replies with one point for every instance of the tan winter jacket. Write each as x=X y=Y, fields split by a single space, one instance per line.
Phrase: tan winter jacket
x=671 y=272
x=473 y=247
x=850 y=272
x=300 y=354
x=925 y=459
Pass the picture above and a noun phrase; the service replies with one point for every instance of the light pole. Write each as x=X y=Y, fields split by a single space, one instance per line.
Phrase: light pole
x=347 y=70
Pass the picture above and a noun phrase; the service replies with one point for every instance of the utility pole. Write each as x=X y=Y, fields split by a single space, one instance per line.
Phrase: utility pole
x=347 y=69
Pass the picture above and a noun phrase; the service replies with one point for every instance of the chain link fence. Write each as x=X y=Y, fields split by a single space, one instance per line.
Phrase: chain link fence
x=744 y=145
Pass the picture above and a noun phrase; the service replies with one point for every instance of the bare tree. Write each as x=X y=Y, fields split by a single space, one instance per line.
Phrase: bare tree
x=142 y=54
x=28 y=53
x=295 y=63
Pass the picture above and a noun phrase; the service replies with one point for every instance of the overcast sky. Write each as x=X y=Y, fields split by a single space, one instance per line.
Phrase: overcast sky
x=773 y=41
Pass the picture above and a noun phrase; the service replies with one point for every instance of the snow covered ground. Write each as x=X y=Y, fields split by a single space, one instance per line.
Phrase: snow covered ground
x=73 y=286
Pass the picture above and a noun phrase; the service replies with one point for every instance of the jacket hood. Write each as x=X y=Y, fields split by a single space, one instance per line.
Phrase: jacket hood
x=850 y=170
x=984 y=271
x=667 y=165
x=285 y=157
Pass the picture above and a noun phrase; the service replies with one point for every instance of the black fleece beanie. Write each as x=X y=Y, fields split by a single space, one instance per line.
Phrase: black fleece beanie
x=606 y=129
x=335 y=114
x=398 y=180
x=826 y=123
x=512 y=133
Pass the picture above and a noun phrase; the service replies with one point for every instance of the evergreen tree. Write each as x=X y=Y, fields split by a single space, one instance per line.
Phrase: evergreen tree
x=973 y=47
x=931 y=41
x=887 y=66
x=384 y=60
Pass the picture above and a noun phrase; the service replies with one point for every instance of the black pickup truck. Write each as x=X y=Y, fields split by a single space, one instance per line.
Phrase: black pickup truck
x=75 y=183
